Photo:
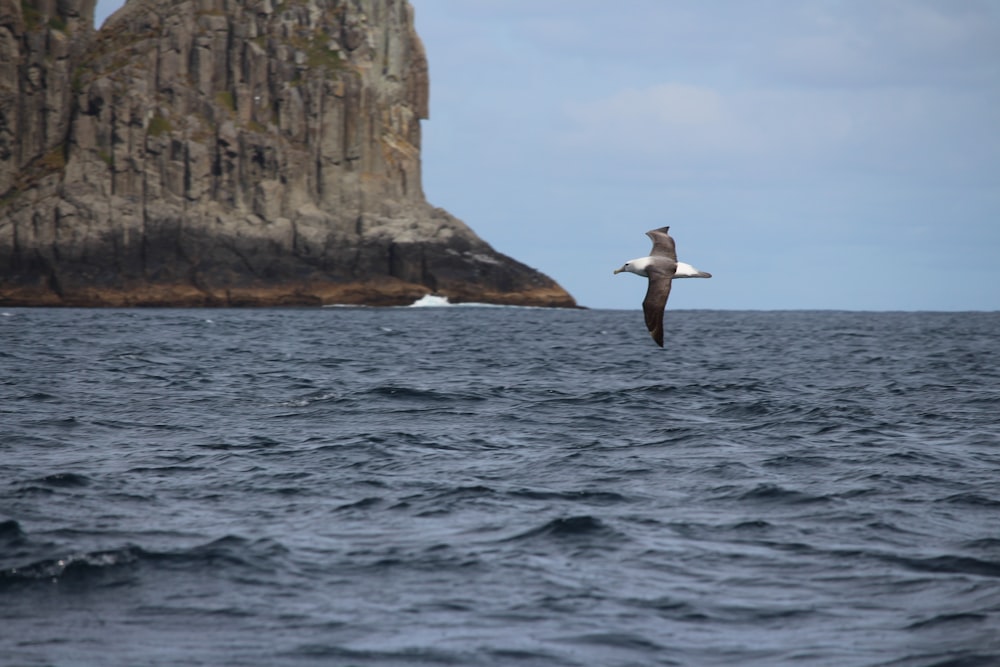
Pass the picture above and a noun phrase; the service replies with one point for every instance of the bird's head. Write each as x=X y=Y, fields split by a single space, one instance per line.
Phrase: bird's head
x=636 y=266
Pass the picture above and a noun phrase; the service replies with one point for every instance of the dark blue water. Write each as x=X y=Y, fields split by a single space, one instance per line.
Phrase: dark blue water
x=474 y=486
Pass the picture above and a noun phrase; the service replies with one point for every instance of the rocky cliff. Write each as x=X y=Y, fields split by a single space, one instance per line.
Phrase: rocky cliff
x=227 y=152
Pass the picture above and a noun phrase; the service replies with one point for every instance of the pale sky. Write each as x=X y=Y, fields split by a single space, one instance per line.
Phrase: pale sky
x=810 y=155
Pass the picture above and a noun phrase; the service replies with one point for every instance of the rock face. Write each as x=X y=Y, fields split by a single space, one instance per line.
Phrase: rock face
x=227 y=152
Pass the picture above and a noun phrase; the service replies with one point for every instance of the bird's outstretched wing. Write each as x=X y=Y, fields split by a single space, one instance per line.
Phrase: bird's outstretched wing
x=663 y=244
x=655 y=301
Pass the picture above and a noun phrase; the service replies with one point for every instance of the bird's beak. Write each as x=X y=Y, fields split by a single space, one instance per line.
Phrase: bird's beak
x=617 y=271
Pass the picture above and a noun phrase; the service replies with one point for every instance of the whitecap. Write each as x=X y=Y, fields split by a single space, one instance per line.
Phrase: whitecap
x=430 y=301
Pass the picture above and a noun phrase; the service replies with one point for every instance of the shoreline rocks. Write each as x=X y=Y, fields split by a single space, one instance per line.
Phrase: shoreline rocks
x=227 y=152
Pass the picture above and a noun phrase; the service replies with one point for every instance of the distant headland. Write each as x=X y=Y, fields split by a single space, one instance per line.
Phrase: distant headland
x=227 y=153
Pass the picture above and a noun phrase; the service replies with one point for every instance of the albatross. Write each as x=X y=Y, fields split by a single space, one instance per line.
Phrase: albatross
x=660 y=267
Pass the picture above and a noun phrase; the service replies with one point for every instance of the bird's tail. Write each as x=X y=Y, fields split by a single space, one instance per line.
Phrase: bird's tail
x=685 y=270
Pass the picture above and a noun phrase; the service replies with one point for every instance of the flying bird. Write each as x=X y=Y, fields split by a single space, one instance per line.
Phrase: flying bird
x=660 y=267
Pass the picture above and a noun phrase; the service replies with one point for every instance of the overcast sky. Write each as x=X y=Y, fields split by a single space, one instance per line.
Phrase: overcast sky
x=810 y=155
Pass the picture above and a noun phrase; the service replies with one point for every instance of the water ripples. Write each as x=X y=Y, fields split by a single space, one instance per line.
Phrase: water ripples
x=395 y=487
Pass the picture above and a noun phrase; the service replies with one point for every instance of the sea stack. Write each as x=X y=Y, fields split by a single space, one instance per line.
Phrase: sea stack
x=227 y=153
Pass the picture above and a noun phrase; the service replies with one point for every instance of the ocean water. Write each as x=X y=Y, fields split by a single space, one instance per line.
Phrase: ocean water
x=498 y=486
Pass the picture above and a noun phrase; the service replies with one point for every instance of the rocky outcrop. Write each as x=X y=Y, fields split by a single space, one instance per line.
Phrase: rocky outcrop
x=227 y=152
